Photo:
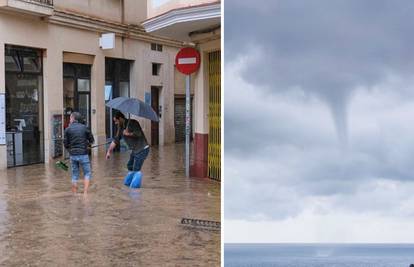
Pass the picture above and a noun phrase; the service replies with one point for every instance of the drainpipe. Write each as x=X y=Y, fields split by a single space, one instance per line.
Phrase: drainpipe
x=122 y=12
x=123 y=22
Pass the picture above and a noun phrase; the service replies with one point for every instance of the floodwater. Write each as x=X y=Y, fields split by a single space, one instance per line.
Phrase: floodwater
x=43 y=224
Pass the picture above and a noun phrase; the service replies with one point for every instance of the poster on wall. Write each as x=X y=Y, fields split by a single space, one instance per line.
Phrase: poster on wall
x=57 y=135
x=148 y=98
x=2 y=119
x=108 y=92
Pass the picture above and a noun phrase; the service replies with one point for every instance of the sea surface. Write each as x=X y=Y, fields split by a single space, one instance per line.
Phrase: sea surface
x=318 y=255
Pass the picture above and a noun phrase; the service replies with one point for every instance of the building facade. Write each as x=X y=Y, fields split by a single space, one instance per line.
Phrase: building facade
x=197 y=23
x=52 y=62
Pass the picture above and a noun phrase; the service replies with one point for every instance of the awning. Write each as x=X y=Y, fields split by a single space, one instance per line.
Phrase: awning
x=181 y=23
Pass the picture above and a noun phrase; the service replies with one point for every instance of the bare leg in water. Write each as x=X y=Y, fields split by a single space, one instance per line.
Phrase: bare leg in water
x=86 y=186
x=74 y=188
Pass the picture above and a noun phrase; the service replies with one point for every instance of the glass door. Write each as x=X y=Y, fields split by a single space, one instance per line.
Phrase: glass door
x=84 y=100
x=77 y=91
x=108 y=111
x=24 y=106
x=116 y=84
x=68 y=99
x=155 y=126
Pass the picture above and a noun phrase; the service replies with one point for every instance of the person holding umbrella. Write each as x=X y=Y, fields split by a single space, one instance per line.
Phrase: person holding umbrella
x=130 y=130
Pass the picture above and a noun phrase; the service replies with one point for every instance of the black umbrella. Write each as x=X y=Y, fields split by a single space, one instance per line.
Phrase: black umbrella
x=133 y=106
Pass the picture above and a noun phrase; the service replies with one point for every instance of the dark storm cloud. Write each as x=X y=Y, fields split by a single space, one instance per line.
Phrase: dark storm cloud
x=302 y=67
x=327 y=48
x=279 y=161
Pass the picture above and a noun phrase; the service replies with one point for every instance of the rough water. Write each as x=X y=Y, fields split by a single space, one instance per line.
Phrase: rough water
x=43 y=224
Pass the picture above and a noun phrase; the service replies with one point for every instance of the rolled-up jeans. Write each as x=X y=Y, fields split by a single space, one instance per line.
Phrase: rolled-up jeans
x=137 y=158
x=75 y=162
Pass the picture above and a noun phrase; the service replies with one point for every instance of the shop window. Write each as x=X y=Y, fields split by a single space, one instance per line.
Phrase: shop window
x=68 y=70
x=31 y=64
x=24 y=105
x=83 y=70
x=156 y=69
x=84 y=85
x=20 y=59
x=124 y=69
x=124 y=89
x=109 y=69
x=12 y=63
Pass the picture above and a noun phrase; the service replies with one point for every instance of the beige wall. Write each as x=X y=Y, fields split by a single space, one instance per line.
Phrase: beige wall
x=133 y=11
x=56 y=40
x=154 y=10
x=179 y=81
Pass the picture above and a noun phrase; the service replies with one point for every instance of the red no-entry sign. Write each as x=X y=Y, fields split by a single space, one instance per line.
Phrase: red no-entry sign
x=187 y=60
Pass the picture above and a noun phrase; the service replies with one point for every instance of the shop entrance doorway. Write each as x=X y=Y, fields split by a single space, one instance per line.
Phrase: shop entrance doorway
x=24 y=106
x=155 y=126
x=116 y=84
x=77 y=92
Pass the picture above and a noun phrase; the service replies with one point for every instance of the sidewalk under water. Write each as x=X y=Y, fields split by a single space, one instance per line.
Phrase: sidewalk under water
x=43 y=224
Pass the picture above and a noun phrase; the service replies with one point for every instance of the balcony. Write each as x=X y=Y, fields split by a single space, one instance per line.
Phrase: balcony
x=40 y=8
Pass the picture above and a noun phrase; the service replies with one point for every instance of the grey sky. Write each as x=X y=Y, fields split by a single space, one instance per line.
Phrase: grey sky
x=319 y=112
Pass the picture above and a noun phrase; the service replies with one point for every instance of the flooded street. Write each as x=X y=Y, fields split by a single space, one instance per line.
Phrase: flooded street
x=43 y=224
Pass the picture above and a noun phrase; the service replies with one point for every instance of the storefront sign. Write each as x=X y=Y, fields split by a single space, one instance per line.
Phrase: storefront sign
x=57 y=135
x=108 y=92
x=2 y=119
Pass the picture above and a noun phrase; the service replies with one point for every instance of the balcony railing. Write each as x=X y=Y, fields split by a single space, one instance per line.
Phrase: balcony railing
x=35 y=7
x=46 y=2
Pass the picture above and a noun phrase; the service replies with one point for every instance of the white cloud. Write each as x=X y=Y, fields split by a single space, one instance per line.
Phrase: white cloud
x=334 y=227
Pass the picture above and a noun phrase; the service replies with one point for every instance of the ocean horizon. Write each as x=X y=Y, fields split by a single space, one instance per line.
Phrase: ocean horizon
x=318 y=255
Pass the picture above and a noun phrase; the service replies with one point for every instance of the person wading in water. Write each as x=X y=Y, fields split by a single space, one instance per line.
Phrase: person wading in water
x=130 y=130
x=77 y=139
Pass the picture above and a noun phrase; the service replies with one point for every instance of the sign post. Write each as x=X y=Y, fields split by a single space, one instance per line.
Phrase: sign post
x=187 y=62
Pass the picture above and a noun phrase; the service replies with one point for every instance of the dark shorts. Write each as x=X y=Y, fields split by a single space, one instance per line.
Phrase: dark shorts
x=136 y=159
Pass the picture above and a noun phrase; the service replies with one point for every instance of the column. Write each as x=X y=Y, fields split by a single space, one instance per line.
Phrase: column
x=98 y=100
x=52 y=93
x=200 y=164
